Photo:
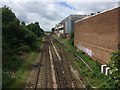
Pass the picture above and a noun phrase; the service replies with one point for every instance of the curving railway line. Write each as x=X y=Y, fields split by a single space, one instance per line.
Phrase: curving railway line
x=54 y=69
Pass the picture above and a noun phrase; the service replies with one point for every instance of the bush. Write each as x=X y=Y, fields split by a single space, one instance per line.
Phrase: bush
x=34 y=46
x=16 y=39
x=13 y=63
x=24 y=49
x=7 y=79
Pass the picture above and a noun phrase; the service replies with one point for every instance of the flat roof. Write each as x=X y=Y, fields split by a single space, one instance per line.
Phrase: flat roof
x=97 y=14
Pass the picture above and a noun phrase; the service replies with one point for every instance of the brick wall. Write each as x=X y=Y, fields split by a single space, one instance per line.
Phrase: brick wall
x=98 y=34
x=119 y=23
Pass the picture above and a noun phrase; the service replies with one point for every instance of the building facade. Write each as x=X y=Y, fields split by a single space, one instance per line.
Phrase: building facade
x=98 y=35
x=69 y=22
x=66 y=26
x=59 y=29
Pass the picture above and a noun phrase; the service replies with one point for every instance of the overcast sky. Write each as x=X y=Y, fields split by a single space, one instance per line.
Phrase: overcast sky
x=50 y=13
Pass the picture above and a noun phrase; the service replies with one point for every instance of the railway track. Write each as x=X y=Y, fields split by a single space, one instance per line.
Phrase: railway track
x=31 y=82
x=61 y=82
x=41 y=76
x=53 y=69
x=45 y=75
x=67 y=68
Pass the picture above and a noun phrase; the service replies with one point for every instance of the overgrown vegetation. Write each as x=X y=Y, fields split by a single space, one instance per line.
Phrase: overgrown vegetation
x=114 y=64
x=96 y=79
x=72 y=38
x=18 y=41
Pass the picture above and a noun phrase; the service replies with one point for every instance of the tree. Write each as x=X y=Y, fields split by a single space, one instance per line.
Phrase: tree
x=113 y=80
x=17 y=39
x=53 y=29
x=35 y=28
x=115 y=68
x=23 y=23
x=114 y=77
x=7 y=15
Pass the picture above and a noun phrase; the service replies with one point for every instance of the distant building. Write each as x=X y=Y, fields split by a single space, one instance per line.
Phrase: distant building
x=59 y=29
x=69 y=23
x=98 y=35
x=66 y=26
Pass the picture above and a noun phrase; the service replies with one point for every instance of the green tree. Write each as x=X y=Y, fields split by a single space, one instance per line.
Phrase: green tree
x=17 y=38
x=7 y=15
x=53 y=29
x=115 y=70
x=23 y=23
x=35 y=28
x=113 y=80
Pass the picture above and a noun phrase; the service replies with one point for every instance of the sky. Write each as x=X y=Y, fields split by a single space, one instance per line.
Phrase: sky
x=50 y=12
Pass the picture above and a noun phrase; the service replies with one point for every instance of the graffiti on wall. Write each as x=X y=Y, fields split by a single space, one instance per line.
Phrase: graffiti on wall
x=86 y=50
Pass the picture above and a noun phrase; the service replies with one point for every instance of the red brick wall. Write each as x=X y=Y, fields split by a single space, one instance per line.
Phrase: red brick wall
x=119 y=24
x=99 y=34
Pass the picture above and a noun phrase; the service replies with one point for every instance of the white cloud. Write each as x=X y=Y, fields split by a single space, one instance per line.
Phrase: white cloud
x=88 y=7
x=60 y=0
x=50 y=13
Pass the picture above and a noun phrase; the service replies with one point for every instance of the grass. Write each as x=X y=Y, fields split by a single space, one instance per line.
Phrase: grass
x=95 y=79
x=23 y=73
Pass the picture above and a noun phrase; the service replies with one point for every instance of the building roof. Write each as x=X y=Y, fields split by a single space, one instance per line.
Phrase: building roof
x=74 y=16
x=97 y=14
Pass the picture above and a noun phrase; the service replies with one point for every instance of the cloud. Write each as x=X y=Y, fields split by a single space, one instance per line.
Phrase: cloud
x=60 y=0
x=89 y=7
x=65 y=4
x=50 y=13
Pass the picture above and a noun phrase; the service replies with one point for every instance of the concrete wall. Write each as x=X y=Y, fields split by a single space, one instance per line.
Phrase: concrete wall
x=98 y=35
x=69 y=22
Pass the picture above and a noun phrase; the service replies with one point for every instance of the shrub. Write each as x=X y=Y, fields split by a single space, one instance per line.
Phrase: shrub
x=7 y=79
x=13 y=63
x=24 y=49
